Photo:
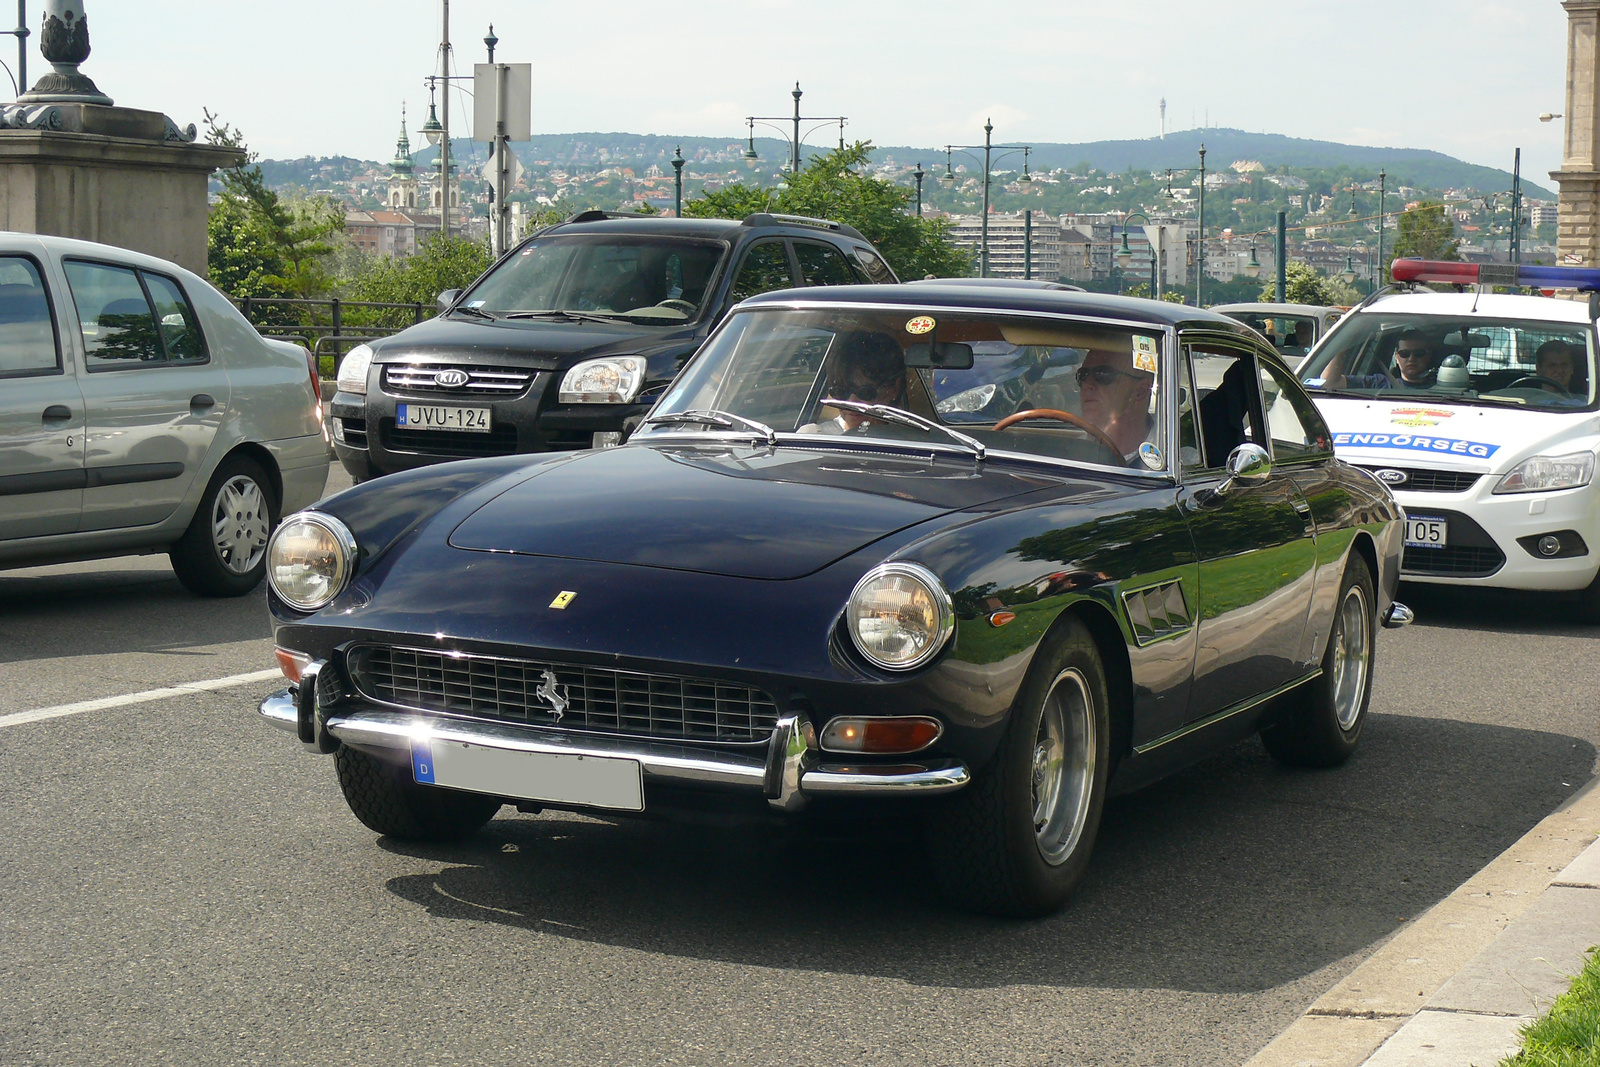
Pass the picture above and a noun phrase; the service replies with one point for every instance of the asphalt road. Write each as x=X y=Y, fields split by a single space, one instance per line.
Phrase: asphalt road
x=179 y=883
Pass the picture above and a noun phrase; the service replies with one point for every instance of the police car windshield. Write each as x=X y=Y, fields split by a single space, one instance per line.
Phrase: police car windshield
x=1527 y=363
x=644 y=280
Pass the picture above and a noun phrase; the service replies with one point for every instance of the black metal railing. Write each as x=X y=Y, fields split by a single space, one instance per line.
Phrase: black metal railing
x=328 y=327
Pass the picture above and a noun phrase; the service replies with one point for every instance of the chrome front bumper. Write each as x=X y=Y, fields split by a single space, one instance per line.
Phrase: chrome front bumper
x=791 y=771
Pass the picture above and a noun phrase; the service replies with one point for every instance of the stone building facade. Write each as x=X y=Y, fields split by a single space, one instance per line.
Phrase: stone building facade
x=1577 y=233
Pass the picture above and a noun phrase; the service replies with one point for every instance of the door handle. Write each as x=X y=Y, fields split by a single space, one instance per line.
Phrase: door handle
x=202 y=400
x=57 y=413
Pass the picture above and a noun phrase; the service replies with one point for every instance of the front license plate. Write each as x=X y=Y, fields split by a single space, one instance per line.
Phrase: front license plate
x=435 y=417
x=1424 y=532
x=557 y=778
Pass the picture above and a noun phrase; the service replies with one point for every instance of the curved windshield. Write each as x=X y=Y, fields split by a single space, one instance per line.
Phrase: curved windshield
x=1291 y=335
x=648 y=280
x=1055 y=388
x=1527 y=363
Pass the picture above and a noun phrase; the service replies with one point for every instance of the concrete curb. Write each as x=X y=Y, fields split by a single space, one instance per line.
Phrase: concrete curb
x=1437 y=992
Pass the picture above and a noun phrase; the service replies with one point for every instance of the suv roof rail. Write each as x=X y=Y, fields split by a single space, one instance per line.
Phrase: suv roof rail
x=595 y=214
x=769 y=218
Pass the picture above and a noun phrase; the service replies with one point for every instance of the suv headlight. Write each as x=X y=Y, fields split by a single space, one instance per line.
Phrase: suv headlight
x=614 y=380
x=900 y=616
x=310 y=559
x=975 y=399
x=1538 y=474
x=353 y=370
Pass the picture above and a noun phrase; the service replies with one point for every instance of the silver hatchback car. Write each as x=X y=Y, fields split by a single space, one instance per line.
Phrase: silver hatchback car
x=140 y=412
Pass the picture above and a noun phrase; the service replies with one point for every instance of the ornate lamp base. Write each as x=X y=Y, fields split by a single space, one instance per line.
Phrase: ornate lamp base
x=64 y=84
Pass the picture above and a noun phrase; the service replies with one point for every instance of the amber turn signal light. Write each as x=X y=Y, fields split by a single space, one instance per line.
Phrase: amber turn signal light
x=879 y=736
x=292 y=663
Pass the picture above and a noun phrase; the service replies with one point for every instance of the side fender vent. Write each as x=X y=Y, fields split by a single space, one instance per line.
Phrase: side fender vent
x=1157 y=612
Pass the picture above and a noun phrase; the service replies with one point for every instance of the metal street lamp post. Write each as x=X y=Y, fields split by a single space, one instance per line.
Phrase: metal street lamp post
x=1124 y=255
x=795 y=141
x=988 y=146
x=1383 y=190
x=919 y=174
x=677 y=177
x=21 y=34
x=1199 y=275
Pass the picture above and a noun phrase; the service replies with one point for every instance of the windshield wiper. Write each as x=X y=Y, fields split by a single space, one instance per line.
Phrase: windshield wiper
x=477 y=313
x=717 y=418
x=563 y=314
x=905 y=418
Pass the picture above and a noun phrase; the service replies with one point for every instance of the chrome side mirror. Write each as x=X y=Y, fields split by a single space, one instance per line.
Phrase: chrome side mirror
x=445 y=299
x=1249 y=464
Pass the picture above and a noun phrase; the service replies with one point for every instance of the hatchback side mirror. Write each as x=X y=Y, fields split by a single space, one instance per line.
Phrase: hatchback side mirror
x=447 y=298
x=1247 y=464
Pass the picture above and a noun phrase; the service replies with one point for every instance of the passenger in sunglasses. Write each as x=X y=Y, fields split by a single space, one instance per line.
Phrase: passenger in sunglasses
x=869 y=368
x=1116 y=398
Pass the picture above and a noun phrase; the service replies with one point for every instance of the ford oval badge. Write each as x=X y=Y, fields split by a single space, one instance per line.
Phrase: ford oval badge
x=1390 y=476
x=451 y=378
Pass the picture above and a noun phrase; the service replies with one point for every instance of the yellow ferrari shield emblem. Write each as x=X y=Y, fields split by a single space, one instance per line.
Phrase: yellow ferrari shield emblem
x=562 y=599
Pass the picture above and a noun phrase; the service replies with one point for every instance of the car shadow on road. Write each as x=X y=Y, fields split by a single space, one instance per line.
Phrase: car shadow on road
x=1234 y=876
x=1495 y=610
x=115 y=608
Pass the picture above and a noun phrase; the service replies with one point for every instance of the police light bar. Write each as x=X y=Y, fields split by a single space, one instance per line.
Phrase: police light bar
x=1515 y=274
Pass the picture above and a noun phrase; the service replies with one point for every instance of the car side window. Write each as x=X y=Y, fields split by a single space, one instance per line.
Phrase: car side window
x=1297 y=431
x=27 y=334
x=119 y=327
x=822 y=264
x=1226 y=405
x=180 y=328
x=765 y=268
x=877 y=270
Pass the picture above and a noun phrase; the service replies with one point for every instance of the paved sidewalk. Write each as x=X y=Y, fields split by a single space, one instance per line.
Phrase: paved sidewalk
x=1454 y=986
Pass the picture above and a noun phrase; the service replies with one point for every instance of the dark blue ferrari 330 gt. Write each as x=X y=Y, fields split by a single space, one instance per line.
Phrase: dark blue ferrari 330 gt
x=994 y=550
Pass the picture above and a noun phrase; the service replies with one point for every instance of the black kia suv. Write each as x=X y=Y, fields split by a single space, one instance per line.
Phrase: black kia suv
x=571 y=333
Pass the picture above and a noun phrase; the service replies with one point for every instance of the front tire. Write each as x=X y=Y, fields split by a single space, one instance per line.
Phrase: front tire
x=1323 y=720
x=224 y=550
x=387 y=801
x=1016 y=841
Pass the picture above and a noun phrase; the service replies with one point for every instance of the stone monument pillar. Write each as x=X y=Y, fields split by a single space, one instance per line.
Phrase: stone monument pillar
x=1578 y=226
x=72 y=164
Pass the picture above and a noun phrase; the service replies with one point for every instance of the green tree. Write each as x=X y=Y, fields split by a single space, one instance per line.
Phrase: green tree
x=1302 y=285
x=831 y=187
x=1425 y=232
x=440 y=263
x=284 y=243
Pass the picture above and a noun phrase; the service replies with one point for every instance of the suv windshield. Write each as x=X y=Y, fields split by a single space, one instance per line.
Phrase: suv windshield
x=1088 y=392
x=648 y=280
x=1521 y=362
x=1291 y=335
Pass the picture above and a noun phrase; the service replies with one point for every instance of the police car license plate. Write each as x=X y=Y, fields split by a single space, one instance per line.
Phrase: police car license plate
x=436 y=417
x=556 y=778
x=1424 y=531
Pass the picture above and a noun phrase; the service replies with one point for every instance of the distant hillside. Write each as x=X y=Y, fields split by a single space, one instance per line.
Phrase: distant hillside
x=1409 y=166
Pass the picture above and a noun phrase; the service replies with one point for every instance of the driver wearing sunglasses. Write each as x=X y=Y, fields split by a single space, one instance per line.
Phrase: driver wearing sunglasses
x=1116 y=398
x=868 y=368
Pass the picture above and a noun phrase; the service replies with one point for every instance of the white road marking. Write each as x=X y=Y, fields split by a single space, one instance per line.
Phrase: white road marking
x=104 y=703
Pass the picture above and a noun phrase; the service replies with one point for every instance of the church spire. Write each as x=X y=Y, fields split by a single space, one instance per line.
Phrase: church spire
x=402 y=148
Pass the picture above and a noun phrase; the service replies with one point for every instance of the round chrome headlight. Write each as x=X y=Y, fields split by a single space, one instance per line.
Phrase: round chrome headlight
x=900 y=616
x=310 y=559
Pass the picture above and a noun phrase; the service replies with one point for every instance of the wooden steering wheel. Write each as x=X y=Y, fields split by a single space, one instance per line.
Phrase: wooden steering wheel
x=1062 y=416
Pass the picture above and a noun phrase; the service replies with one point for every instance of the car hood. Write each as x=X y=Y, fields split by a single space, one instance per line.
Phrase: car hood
x=742 y=512
x=1457 y=436
x=534 y=343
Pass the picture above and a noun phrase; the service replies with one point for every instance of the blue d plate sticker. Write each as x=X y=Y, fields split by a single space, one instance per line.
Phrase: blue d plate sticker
x=422 y=761
x=1150 y=456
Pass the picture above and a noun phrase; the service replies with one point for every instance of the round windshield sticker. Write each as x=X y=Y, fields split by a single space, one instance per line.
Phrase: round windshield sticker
x=920 y=324
x=1150 y=455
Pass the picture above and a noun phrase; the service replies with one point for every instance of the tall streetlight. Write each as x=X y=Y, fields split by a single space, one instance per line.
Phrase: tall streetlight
x=1199 y=275
x=21 y=33
x=919 y=174
x=795 y=141
x=948 y=178
x=677 y=179
x=1383 y=190
x=1124 y=255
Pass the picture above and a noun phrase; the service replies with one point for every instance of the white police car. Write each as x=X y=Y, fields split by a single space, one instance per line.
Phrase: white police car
x=1478 y=410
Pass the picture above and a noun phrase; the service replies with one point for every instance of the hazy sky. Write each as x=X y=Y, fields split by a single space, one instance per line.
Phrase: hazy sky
x=1465 y=77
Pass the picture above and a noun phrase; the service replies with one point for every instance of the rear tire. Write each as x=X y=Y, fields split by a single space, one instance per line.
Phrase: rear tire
x=1016 y=841
x=1322 y=720
x=387 y=801
x=224 y=550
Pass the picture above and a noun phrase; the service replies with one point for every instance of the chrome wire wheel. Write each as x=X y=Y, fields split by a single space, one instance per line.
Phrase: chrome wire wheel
x=1063 y=766
x=1352 y=654
x=240 y=524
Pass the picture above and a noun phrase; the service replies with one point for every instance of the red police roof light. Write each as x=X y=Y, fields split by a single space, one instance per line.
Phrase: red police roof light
x=1512 y=274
